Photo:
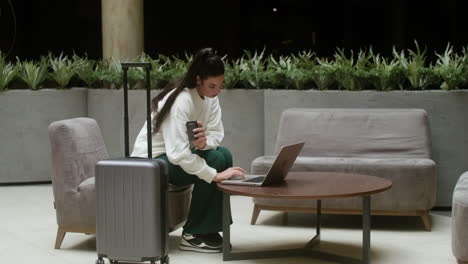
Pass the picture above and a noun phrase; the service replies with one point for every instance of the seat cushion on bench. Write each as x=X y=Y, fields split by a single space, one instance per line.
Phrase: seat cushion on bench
x=413 y=180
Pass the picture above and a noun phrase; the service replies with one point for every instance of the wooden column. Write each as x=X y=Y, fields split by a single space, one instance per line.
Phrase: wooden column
x=122 y=28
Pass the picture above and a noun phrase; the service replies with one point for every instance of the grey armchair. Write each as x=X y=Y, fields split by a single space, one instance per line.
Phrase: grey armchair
x=460 y=220
x=76 y=146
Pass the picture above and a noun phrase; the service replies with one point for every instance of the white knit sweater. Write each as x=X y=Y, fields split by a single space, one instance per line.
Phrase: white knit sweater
x=172 y=138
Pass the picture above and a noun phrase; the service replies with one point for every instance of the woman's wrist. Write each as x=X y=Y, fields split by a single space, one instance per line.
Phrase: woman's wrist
x=204 y=147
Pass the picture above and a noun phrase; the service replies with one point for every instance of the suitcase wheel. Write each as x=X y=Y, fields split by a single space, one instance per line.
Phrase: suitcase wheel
x=165 y=260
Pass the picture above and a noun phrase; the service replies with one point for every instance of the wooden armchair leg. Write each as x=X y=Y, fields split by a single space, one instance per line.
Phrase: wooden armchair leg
x=60 y=236
x=426 y=217
x=255 y=213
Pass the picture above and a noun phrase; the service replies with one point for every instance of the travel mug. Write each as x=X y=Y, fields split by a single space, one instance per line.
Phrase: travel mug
x=191 y=125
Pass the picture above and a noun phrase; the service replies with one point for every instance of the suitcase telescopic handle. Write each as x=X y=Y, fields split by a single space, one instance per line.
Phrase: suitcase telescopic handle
x=147 y=67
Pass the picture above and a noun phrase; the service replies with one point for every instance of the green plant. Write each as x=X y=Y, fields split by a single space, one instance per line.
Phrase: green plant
x=304 y=64
x=304 y=60
x=361 y=73
x=300 y=77
x=344 y=67
x=86 y=70
x=232 y=73
x=386 y=75
x=418 y=75
x=277 y=72
x=289 y=71
x=8 y=72
x=252 y=69
x=138 y=74
x=157 y=67
x=350 y=74
x=450 y=66
x=110 y=71
x=464 y=59
x=63 y=69
x=33 y=73
x=324 y=74
x=171 y=68
x=345 y=70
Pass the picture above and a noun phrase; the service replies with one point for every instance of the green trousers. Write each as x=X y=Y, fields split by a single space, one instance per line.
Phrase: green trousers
x=206 y=208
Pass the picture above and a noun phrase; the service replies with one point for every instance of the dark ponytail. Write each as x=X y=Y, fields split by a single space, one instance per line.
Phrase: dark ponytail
x=205 y=64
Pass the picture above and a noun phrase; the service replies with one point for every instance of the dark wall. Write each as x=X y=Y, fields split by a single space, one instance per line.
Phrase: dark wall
x=175 y=26
x=232 y=26
x=52 y=25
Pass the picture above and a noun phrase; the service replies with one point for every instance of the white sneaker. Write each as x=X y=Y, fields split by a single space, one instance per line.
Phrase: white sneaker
x=201 y=243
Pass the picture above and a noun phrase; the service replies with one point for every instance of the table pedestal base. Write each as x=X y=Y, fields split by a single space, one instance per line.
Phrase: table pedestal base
x=307 y=250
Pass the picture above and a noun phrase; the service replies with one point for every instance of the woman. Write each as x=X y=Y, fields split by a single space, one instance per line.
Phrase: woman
x=201 y=162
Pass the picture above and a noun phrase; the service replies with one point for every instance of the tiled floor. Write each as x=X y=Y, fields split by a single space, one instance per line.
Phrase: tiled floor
x=28 y=229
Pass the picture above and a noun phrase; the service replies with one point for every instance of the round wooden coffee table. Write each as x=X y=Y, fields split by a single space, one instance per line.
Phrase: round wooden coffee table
x=307 y=186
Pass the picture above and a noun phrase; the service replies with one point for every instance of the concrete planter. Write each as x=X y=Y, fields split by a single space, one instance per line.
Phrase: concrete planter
x=250 y=120
x=25 y=116
x=242 y=120
x=106 y=107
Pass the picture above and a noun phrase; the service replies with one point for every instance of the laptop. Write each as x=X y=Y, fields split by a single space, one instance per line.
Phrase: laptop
x=277 y=171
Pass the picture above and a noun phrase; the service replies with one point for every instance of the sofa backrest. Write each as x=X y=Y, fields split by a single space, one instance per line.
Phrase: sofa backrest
x=372 y=133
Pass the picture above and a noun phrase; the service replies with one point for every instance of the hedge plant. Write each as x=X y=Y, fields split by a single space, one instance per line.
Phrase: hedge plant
x=346 y=70
x=33 y=73
x=8 y=72
x=63 y=69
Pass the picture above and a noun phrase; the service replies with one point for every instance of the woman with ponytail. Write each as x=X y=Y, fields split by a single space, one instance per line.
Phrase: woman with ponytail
x=202 y=162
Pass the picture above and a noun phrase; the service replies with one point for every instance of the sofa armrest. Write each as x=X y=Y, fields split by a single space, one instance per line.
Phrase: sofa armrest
x=262 y=164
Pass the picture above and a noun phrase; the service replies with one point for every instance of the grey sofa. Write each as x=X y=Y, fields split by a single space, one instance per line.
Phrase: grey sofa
x=76 y=146
x=460 y=220
x=389 y=143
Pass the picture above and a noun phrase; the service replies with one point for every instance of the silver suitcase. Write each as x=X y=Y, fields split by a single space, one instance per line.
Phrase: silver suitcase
x=131 y=195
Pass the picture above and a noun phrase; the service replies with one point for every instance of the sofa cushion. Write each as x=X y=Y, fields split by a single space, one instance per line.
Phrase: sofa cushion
x=414 y=181
x=365 y=133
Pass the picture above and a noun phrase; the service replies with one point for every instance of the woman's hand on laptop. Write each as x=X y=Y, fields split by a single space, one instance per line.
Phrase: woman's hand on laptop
x=234 y=171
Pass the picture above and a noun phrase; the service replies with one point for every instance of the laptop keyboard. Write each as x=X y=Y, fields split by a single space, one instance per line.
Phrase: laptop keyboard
x=256 y=179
